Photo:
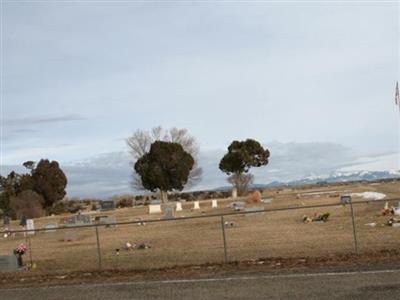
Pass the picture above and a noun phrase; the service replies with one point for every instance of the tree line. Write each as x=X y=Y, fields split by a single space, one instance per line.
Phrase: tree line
x=162 y=161
x=34 y=193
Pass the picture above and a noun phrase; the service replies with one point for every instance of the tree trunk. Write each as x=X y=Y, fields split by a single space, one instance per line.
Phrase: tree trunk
x=164 y=197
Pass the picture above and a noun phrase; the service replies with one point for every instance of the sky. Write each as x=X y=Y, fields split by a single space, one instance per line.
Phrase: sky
x=79 y=77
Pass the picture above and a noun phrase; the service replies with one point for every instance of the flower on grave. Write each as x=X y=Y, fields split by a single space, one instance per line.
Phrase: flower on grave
x=21 y=249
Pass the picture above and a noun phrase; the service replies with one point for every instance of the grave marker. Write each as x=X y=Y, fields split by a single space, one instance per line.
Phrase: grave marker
x=196 y=205
x=50 y=227
x=214 y=204
x=178 y=206
x=6 y=221
x=78 y=220
x=8 y=263
x=30 y=225
x=108 y=221
x=154 y=208
x=107 y=205
x=169 y=213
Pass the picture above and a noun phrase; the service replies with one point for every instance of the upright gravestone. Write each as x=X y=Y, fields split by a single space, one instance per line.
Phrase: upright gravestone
x=108 y=221
x=6 y=221
x=178 y=206
x=154 y=208
x=30 y=226
x=107 y=205
x=169 y=213
x=23 y=221
x=78 y=220
x=83 y=219
x=196 y=205
x=214 y=204
x=8 y=263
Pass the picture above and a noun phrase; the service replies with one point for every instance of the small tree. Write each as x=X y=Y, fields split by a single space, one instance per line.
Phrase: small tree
x=240 y=158
x=164 y=168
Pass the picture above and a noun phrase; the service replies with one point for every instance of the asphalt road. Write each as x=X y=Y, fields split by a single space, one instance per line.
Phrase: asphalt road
x=383 y=284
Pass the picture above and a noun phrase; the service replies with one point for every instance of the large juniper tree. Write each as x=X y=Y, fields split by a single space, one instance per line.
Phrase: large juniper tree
x=164 y=168
x=241 y=156
x=140 y=141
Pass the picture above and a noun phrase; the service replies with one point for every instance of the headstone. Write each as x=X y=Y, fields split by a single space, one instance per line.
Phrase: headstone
x=30 y=225
x=83 y=219
x=266 y=200
x=345 y=199
x=214 y=204
x=78 y=220
x=50 y=227
x=6 y=220
x=154 y=208
x=169 y=213
x=23 y=221
x=107 y=205
x=196 y=205
x=108 y=221
x=178 y=206
x=234 y=193
x=238 y=205
x=8 y=263
x=70 y=236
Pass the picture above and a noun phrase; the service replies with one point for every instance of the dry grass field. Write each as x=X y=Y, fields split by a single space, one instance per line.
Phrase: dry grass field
x=196 y=241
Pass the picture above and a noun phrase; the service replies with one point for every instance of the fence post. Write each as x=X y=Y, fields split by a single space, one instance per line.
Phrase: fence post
x=224 y=238
x=30 y=251
x=354 y=227
x=98 y=247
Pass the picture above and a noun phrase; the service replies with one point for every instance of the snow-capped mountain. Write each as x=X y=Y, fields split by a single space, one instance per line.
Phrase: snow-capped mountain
x=108 y=174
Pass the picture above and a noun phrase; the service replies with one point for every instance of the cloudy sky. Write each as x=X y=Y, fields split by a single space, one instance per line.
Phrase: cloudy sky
x=80 y=77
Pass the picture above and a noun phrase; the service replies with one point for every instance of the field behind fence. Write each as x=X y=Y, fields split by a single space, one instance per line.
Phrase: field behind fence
x=229 y=236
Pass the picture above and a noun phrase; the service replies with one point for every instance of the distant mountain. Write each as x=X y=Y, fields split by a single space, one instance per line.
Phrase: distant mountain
x=109 y=174
x=345 y=177
x=332 y=178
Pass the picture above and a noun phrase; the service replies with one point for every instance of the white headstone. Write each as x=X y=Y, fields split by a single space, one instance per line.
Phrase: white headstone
x=196 y=205
x=154 y=208
x=234 y=193
x=30 y=226
x=178 y=206
x=214 y=204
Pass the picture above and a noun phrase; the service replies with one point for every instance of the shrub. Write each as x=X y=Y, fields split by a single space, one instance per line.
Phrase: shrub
x=28 y=203
x=58 y=208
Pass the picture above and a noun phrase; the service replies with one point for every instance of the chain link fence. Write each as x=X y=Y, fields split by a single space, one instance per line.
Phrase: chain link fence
x=231 y=236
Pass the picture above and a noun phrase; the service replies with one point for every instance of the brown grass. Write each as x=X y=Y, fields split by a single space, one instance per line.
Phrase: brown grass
x=196 y=241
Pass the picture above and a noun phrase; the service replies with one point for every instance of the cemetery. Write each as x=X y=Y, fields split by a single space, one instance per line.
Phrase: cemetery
x=195 y=241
